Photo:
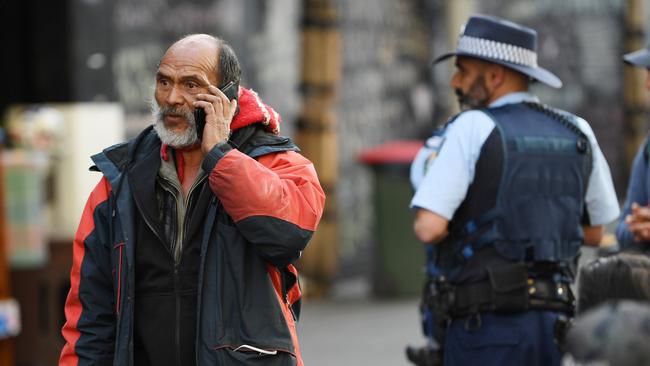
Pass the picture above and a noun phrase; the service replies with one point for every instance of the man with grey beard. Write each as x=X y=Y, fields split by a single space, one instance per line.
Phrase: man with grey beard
x=507 y=192
x=184 y=253
x=169 y=137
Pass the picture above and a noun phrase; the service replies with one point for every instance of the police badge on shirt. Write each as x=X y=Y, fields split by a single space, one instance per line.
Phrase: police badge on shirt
x=426 y=156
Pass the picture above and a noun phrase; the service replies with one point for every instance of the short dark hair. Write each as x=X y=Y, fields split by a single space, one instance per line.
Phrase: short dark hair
x=617 y=277
x=228 y=67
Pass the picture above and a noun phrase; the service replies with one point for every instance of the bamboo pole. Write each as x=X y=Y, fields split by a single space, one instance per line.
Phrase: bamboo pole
x=317 y=137
x=634 y=94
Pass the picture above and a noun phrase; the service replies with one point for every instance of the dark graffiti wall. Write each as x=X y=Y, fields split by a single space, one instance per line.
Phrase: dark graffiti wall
x=264 y=34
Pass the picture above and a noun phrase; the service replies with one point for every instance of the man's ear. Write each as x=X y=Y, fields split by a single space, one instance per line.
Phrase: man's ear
x=495 y=76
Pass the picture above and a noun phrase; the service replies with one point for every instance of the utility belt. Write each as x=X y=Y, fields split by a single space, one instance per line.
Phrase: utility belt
x=510 y=289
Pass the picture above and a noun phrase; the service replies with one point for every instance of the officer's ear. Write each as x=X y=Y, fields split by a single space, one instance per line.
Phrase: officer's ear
x=495 y=76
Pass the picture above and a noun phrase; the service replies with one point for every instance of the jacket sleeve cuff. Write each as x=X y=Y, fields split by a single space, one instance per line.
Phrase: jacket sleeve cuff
x=212 y=158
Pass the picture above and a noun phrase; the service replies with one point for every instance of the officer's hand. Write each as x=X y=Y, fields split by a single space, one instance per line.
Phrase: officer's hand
x=219 y=111
x=638 y=222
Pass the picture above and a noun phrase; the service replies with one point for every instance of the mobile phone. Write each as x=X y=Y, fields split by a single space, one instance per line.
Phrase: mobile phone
x=230 y=90
x=199 y=118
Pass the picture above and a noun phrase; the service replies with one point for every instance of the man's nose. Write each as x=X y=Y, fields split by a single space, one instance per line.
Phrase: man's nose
x=454 y=82
x=175 y=97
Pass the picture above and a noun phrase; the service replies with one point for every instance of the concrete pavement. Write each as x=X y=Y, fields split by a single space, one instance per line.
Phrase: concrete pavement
x=356 y=332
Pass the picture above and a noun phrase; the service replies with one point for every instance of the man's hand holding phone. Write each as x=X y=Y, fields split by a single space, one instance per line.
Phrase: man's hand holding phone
x=219 y=112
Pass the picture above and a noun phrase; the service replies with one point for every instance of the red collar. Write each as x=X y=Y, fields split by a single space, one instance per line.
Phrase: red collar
x=251 y=110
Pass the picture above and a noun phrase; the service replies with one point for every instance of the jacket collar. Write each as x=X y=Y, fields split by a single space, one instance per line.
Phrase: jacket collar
x=252 y=110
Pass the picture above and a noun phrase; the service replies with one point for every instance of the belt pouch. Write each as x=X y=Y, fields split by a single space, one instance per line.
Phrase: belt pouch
x=509 y=287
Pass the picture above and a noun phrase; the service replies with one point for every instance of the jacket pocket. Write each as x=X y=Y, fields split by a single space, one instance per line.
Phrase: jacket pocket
x=246 y=354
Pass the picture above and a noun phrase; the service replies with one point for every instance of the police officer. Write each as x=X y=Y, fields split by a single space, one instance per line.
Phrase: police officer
x=633 y=231
x=507 y=192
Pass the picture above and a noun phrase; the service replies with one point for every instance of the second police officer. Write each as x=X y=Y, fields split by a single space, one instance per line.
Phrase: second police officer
x=633 y=230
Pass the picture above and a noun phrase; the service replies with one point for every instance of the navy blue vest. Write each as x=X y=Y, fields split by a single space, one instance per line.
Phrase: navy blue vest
x=526 y=202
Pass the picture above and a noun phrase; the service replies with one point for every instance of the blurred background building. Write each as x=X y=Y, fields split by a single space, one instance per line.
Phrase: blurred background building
x=346 y=76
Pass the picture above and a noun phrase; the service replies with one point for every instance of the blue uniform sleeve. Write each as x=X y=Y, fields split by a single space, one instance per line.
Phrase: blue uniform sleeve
x=636 y=192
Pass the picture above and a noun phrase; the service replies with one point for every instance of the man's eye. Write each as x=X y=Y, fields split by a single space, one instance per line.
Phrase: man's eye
x=163 y=82
x=192 y=85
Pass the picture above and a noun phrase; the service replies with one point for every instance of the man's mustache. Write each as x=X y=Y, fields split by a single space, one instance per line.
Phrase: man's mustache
x=176 y=112
x=462 y=98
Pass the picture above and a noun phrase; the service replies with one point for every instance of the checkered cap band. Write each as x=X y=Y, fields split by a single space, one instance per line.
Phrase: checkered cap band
x=497 y=51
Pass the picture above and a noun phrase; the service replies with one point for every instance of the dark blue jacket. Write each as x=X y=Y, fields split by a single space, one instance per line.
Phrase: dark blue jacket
x=638 y=191
x=265 y=205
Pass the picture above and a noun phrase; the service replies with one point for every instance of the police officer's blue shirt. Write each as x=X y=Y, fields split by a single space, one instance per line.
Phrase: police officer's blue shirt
x=442 y=181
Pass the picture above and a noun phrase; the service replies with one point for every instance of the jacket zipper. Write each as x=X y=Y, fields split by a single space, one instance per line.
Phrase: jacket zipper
x=213 y=209
x=178 y=316
x=177 y=235
x=180 y=232
x=177 y=252
x=293 y=315
x=285 y=291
